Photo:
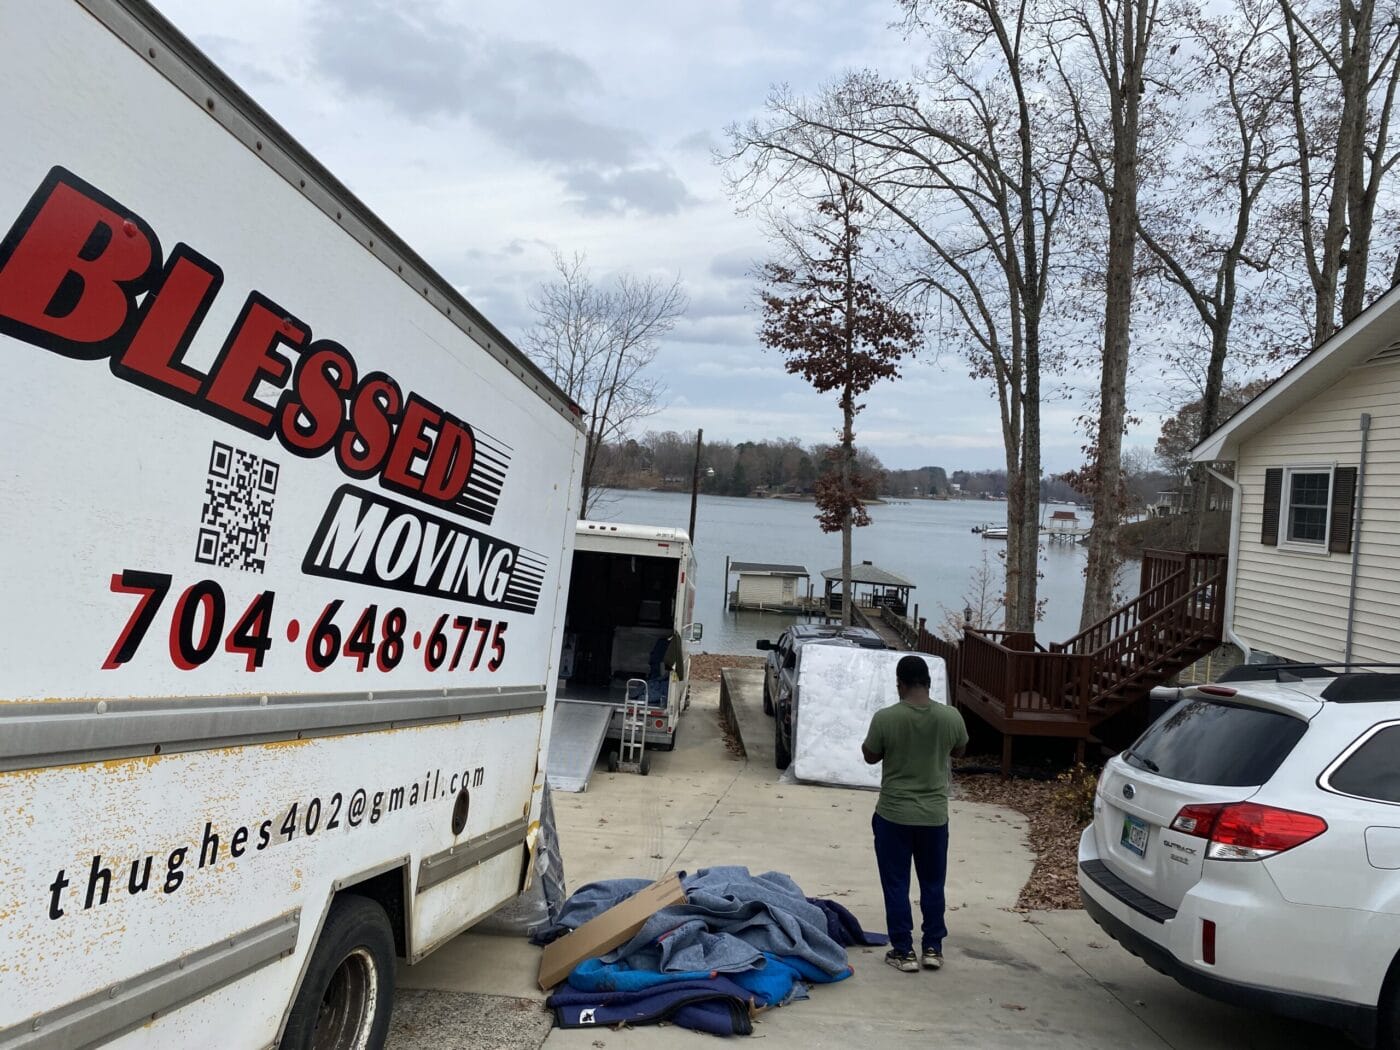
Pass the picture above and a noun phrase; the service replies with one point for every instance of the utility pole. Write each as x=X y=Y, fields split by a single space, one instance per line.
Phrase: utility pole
x=695 y=486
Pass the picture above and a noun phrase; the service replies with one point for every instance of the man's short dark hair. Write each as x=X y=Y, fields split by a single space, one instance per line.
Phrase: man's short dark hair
x=912 y=671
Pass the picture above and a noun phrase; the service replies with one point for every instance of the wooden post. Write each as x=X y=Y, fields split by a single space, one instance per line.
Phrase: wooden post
x=695 y=493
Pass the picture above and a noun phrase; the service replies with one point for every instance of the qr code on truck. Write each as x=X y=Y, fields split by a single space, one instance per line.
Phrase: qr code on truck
x=238 y=495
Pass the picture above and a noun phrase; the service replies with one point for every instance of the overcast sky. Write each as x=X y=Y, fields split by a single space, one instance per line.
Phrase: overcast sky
x=491 y=135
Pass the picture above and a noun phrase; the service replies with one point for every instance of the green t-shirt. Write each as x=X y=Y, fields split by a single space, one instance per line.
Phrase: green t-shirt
x=916 y=743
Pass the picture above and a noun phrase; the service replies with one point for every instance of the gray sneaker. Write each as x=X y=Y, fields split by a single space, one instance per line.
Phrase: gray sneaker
x=933 y=960
x=905 y=962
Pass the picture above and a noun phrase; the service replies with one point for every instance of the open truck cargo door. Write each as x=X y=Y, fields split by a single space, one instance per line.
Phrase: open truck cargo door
x=287 y=527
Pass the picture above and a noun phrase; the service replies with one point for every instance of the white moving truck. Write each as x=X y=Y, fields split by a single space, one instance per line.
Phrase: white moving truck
x=286 y=533
x=630 y=620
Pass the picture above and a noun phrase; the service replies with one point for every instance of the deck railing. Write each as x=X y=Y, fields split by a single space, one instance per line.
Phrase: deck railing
x=1180 y=606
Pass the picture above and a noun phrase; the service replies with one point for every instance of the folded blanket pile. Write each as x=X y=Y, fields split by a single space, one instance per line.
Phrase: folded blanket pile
x=739 y=944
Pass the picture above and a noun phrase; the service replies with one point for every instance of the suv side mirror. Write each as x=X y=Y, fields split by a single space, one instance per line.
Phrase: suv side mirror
x=694 y=632
x=763 y=643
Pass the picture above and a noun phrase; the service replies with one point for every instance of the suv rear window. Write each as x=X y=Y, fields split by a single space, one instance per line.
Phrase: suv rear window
x=1209 y=742
x=1373 y=769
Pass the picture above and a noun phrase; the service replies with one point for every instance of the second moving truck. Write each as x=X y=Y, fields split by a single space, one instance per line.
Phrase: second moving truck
x=287 y=528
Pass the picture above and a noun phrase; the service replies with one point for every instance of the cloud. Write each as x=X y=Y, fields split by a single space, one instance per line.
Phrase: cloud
x=426 y=66
x=738 y=264
x=727 y=369
x=699 y=142
x=654 y=190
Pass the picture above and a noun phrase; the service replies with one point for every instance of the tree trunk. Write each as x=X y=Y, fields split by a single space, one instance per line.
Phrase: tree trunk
x=1015 y=562
x=1102 y=569
x=847 y=456
x=1135 y=34
x=1108 y=503
x=1210 y=419
x=1357 y=72
x=1028 y=527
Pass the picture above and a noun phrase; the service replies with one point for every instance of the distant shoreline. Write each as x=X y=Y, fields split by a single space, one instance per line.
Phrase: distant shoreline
x=799 y=497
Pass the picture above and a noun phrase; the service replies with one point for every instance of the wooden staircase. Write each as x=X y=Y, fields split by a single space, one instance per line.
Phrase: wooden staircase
x=1020 y=688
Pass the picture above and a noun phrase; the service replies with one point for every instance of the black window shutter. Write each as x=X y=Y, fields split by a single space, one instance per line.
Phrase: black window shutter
x=1273 y=494
x=1343 y=505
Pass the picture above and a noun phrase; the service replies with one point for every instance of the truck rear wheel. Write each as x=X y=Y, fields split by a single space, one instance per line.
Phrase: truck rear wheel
x=348 y=991
x=782 y=752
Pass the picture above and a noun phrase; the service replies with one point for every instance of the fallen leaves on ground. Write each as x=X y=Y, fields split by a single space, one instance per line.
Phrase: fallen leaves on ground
x=705 y=667
x=1054 y=835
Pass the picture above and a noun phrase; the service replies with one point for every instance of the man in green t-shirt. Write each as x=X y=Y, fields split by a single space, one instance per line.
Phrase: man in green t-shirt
x=915 y=739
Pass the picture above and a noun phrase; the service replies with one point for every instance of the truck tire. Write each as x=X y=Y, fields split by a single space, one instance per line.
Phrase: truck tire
x=767 y=698
x=782 y=754
x=347 y=993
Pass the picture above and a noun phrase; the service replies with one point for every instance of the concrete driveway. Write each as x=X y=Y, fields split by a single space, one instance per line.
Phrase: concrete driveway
x=1044 y=980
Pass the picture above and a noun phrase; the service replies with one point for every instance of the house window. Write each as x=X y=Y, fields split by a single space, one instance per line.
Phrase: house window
x=1309 y=508
x=1309 y=503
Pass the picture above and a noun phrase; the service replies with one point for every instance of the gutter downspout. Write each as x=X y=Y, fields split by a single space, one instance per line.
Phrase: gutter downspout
x=1356 y=532
x=1236 y=510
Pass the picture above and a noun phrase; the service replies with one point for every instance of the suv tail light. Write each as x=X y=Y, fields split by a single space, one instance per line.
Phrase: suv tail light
x=1247 y=830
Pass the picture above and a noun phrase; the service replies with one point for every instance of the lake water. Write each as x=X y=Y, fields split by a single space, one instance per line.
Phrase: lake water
x=930 y=543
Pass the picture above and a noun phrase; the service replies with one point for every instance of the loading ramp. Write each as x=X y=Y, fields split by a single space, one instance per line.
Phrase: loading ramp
x=575 y=741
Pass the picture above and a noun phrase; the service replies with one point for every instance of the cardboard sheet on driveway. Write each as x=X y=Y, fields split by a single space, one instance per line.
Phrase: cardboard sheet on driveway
x=838 y=690
x=603 y=933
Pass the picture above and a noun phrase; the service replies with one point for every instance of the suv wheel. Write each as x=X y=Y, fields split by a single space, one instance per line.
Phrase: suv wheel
x=767 y=698
x=782 y=753
x=1389 y=1027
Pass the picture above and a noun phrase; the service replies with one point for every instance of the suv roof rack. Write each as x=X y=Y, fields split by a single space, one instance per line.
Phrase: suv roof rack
x=1285 y=671
x=1354 y=682
x=1363 y=688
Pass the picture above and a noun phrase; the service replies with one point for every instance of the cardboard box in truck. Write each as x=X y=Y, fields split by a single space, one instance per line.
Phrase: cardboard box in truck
x=287 y=528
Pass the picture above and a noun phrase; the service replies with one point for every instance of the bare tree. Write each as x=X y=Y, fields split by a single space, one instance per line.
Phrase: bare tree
x=1343 y=70
x=1199 y=220
x=982 y=604
x=969 y=163
x=838 y=330
x=597 y=344
x=1102 y=52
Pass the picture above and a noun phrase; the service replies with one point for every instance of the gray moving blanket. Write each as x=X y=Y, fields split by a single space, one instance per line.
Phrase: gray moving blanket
x=730 y=919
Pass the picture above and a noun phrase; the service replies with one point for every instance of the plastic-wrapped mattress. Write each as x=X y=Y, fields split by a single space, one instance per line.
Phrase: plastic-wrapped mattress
x=839 y=688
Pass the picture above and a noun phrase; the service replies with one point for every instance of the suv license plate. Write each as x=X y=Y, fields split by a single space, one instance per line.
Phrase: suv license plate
x=1135 y=835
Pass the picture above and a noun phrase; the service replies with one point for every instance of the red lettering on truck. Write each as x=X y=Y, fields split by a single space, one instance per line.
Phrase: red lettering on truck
x=83 y=276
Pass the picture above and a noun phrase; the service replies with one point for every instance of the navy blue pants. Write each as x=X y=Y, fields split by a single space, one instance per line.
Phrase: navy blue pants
x=896 y=846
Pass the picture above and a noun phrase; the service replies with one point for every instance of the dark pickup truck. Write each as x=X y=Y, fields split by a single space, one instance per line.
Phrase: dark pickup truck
x=780 y=673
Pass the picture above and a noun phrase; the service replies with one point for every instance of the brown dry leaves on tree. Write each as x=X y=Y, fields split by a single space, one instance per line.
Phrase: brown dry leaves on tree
x=837 y=329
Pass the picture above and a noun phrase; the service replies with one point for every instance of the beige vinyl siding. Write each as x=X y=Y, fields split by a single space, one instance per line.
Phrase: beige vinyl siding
x=1294 y=603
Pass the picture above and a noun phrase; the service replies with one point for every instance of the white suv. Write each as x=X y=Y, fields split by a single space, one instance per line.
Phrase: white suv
x=1248 y=845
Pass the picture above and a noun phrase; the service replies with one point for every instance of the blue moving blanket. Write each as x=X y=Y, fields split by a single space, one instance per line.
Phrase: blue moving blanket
x=714 y=1005
x=776 y=983
x=845 y=928
x=731 y=919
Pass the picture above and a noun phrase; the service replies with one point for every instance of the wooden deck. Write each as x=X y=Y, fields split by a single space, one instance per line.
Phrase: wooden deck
x=1068 y=689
